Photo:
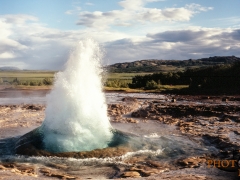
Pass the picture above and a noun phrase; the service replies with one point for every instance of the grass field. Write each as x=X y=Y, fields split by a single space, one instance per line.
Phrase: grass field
x=9 y=76
x=122 y=76
x=120 y=80
x=37 y=75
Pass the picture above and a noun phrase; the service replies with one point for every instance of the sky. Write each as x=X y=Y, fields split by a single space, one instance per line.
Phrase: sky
x=40 y=34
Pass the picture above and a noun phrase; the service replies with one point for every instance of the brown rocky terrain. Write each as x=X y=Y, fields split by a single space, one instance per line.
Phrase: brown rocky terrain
x=210 y=121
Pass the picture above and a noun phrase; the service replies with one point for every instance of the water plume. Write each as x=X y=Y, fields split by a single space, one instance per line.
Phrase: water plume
x=76 y=112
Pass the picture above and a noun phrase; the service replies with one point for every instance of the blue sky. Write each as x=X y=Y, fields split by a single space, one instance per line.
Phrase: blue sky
x=39 y=34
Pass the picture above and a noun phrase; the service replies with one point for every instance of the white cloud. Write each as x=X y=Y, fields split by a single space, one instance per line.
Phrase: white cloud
x=135 y=4
x=194 y=42
x=7 y=55
x=7 y=43
x=134 y=12
x=28 y=44
x=18 y=19
x=31 y=45
x=197 y=7
x=132 y=4
x=168 y=14
x=89 y=4
x=22 y=39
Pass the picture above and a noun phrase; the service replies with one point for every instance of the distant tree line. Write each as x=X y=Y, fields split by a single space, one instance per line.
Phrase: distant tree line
x=219 y=76
x=117 y=83
x=45 y=81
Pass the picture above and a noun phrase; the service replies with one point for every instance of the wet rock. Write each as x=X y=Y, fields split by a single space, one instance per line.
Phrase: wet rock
x=57 y=166
x=236 y=98
x=237 y=119
x=26 y=169
x=220 y=141
x=225 y=119
x=224 y=99
x=140 y=113
x=158 y=101
x=120 y=109
x=206 y=97
x=52 y=173
x=33 y=107
x=131 y=174
x=146 y=171
x=129 y=99
x=118 y=119
x=2 y=167
x=156 y=111
x=191 y=162
x=8 y=165
x=237 y=132
x=154 y=164
x=170 y=120
x=131 y=120
x=19 y=168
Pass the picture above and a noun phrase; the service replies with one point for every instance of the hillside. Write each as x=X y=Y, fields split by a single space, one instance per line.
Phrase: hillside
x=154 y=65
x=212 y=79
x=9 y=68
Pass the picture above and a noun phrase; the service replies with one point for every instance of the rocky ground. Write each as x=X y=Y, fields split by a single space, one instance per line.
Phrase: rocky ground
x=207 y=120
x=211 y=121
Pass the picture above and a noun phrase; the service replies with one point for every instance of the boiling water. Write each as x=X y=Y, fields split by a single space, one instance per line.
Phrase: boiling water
x=76 y=113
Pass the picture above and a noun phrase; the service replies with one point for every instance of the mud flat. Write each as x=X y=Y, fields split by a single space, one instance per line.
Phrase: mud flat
x=192 y=131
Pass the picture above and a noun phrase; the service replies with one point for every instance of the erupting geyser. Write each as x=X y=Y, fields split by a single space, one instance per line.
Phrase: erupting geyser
x=76 y=112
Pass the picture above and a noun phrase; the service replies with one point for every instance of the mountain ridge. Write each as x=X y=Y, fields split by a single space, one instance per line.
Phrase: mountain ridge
x=9 y=68
x=155 y=65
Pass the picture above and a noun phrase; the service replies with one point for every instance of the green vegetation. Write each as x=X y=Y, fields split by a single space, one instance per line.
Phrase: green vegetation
x=120 y=80
x=122 y=76
x=164 y=75
x=216 y=77
x=26 y=78
x=122 y=89
x=47 y=81
x=117 y=83
x=219 y=78
x=151 y=85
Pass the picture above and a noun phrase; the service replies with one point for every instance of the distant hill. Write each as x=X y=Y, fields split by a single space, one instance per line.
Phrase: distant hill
x=9 y=68
x=154 y=65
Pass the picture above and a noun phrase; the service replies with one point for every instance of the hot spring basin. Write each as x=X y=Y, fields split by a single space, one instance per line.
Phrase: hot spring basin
x=132 y=144
x=140 y=137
